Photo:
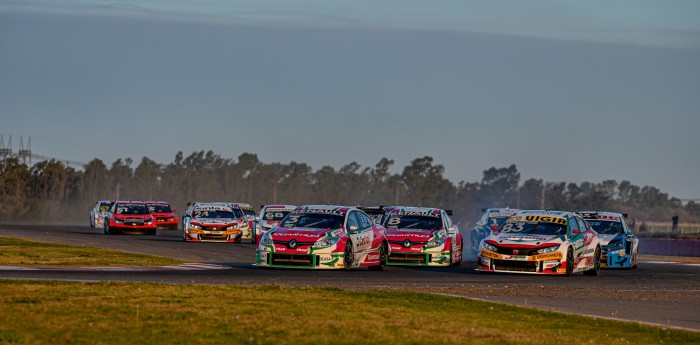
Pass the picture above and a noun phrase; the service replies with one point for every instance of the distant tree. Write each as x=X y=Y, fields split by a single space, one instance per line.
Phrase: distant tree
x=425 y=184
x=499 y=187
x=146 y=180
x=14 y=188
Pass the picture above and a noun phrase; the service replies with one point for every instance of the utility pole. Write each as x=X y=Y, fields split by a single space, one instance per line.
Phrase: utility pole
x=542 y=203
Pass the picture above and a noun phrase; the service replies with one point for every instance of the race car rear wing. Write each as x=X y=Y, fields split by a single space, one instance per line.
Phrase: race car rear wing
x=372 y=209
x=449 y=212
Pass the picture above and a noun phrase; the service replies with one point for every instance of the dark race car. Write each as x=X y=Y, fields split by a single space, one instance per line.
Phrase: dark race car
x=490 y=221
x=620 y=245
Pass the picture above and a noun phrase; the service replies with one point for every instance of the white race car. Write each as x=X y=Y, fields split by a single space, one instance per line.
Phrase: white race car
x=98 y=213
x=271 y=216
x=542 y=242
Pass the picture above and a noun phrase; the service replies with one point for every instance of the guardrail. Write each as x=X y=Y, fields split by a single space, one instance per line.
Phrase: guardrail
x=667 y=228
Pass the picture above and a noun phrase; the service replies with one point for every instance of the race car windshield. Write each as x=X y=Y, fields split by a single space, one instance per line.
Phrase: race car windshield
x=313 y=221
x=160 y=208
x=497 y=221
x=414 y=222
x=275 y=215
x=213 y=214
x=237 y=212
x=541 y=228
x=131 y=209
x=606 y=227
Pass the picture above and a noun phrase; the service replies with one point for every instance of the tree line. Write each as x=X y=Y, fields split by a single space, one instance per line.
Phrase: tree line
x=53 y=192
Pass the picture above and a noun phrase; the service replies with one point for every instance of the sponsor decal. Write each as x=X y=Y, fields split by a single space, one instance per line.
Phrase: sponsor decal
x=525 y=238
x=492 y=255
x=212 y=208
x=373 y=257
x=537 y=219
x=547 y=256
x=364 y=240
x=335 y=212
x=515 y=257
x=427 y=213
x=500 y=214
x=407 y=243
x=589 y=251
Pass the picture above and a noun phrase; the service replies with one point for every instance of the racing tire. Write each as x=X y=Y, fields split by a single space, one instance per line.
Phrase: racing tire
x=105 y=229
x=596 y=265
x=569 y=262
x=348 y=256
x=253 y=238
x=382 y=258
x=461 y=248
x=153 y=232
x=92 y=224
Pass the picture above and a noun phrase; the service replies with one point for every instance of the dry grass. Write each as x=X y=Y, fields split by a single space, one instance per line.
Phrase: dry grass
x=20 y=252
x=121 y=313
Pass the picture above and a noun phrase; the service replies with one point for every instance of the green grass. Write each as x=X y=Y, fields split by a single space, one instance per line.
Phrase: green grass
x=15 y=251
x=145 y=313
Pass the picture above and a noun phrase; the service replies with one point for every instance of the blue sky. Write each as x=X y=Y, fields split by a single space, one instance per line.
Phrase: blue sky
x=566 y=90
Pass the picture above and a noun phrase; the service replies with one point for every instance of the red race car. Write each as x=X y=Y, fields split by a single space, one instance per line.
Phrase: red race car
x=130 y=216
x=164 y=214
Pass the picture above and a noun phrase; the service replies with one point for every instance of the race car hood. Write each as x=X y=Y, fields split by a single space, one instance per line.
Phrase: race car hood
x=410 y=234
x=607 y=238
x=524 y=239
x=132 y=216
x=163 y=214
x=214 y=221
x=301 y=233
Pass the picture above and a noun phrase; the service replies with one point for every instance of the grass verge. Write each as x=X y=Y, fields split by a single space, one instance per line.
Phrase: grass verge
x=15 y=251
x=146 y=313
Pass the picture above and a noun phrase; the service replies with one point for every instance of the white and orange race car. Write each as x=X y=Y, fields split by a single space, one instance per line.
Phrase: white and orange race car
x=324 y=237
x=212 y=222
x=542 y=242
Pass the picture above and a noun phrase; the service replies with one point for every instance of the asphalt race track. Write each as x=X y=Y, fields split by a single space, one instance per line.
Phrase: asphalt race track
x=658 y=293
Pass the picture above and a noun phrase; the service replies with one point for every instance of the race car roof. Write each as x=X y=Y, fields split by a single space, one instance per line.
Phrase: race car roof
x=602 y=215
x=415 y=210
x=158 y=202
x=279 y=206
x=500 y=209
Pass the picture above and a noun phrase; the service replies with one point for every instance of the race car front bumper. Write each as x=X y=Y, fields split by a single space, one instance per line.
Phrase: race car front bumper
x=197 y=235
x=550 y=263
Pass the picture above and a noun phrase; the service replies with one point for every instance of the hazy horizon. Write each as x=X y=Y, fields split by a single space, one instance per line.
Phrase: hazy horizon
x=567 y=92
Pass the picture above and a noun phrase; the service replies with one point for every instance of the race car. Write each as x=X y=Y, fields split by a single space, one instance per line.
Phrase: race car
x=620 y=245
x=421 y=236
x=98 y=213
x=165 y=216
x=128 y=217
x=213 y=222
x=271 y=216
x=490 y=221
x=542 y=242
x=324 y=237
x=252 y=219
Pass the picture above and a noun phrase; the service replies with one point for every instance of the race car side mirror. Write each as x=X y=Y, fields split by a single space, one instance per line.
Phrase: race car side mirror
x=353 y=229
x=575 y=231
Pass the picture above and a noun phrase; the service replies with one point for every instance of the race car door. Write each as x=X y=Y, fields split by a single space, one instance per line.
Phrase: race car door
x=359 y=232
